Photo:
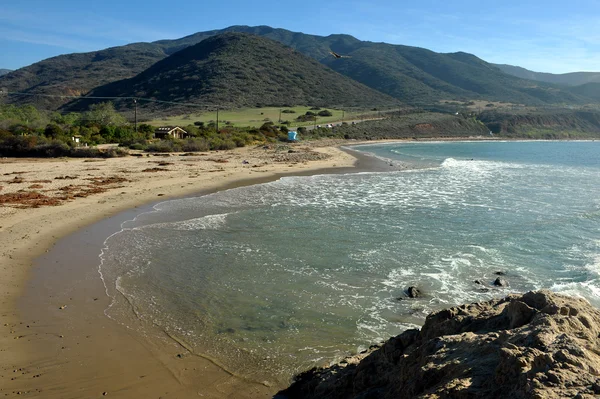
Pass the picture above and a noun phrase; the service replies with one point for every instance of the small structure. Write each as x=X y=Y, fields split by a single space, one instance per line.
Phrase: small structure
x=292 y=136
x=174 y=131
x=76 y=139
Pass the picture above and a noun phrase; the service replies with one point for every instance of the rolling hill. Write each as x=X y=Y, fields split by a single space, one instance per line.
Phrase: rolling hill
x=4 y=71
x=412 y=75
x=568 y=79
x=235 y=70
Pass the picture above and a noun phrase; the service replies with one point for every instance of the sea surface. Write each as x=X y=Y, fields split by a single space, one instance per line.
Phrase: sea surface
x=272 y=279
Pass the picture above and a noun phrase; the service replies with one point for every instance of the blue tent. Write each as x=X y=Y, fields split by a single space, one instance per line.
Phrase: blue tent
x=292 y=136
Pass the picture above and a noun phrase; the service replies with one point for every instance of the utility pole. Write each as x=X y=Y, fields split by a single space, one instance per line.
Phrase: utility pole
x=315 y=122
x=135 y=103
x=343 y=114
x=217 y=119
x=279 y=115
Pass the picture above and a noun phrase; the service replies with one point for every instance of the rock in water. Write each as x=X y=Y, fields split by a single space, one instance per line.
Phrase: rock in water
x=536 y=345
x=413 y=292
x=500 y=282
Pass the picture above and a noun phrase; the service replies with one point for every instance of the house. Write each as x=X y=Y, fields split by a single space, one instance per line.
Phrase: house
x=174 y=131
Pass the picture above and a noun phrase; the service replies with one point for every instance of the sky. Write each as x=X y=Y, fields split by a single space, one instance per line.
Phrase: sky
x=554 y=36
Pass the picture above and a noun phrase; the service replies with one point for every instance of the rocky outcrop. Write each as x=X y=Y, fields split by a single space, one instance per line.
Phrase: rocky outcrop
x=536 y=345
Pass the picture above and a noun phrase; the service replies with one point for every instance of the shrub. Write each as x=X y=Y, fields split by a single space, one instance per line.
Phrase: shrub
x=164 y=146
x=137 y=146
x=288 y=111
x=220 y=144
x=325 y=113
x=195 y=145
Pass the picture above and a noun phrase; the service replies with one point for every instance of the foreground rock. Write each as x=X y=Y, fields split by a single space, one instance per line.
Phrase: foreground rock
x=536 y=345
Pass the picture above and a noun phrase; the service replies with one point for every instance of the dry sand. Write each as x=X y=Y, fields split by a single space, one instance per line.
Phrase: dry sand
x=58 y=344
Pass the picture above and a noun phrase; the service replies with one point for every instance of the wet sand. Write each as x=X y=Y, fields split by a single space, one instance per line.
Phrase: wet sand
x=55 y=341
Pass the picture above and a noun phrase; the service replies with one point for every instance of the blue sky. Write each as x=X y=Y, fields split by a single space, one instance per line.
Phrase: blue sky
x=546 y=36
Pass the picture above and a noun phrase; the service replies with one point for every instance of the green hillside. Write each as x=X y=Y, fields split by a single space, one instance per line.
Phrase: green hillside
x=76 y=74
x=568 y=79
x=591 y=90
x=235 y=70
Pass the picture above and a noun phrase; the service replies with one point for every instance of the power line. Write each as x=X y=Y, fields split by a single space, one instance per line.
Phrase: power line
x=16 y=93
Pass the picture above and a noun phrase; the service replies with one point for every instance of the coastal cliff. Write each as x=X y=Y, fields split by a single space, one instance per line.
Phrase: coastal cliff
x=536 y=345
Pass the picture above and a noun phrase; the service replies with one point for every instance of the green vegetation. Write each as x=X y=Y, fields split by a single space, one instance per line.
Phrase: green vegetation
x=543 y=124
x=26 y=131
x=255 y=117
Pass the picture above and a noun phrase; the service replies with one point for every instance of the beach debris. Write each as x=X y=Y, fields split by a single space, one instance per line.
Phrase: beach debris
x=62 y=307
x=104 y=393
x=155 y=170
x=500 y=282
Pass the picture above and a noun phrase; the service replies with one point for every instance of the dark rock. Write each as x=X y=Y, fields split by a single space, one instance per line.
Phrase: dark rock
x=413 y=292
x=500 y=274
x=513 y=347
x=477 y=282
x=500 y=282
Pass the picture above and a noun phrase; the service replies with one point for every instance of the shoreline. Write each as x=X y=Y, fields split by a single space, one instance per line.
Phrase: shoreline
x=51 y=344
x=53 y=358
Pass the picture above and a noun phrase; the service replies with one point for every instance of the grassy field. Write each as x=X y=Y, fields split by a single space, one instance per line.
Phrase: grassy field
x=255 y=117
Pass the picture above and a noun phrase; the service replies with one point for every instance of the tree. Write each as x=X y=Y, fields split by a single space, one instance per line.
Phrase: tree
x=104 y=114
x=53 y=131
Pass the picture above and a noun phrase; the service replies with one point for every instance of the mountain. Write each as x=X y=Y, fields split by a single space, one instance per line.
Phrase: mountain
x=77 y=74
x=413 y=75
x=4 y=71
x=235 y=70
x=568 y=79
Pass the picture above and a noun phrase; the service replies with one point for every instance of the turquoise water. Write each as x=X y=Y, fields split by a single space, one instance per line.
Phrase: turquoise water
x=274 y=278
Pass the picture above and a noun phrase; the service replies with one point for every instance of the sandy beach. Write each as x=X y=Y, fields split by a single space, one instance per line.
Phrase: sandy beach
x=55 y=341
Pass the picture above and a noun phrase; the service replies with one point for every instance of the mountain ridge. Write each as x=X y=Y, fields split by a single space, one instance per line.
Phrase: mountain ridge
x=412 y=75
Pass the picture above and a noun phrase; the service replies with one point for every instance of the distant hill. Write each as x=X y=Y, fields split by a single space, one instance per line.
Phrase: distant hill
x=591 y=90
x=568 y=79
x=235 y=70
x=412 y=75
x=4 y=71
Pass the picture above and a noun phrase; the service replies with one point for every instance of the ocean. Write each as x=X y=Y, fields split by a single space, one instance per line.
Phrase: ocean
x=272 y=279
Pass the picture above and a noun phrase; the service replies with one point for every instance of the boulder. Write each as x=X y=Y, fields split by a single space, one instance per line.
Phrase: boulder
x=413 y=292
x=500 y=282
x=536 y=345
